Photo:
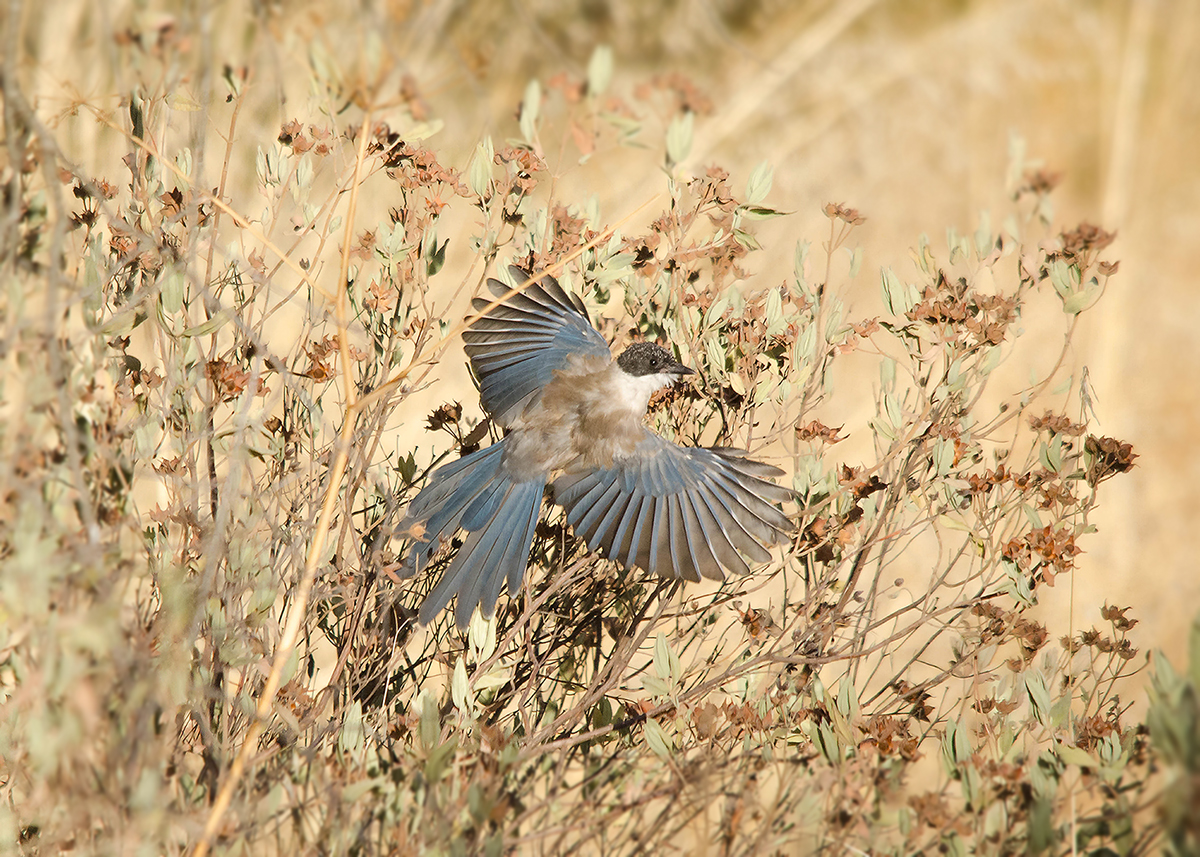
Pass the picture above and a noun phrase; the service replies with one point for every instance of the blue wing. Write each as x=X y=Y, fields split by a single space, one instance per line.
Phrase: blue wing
x=678 y=512
x=516 y=346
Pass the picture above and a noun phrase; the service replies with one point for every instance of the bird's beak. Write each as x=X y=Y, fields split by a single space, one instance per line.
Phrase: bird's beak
x=680 y=369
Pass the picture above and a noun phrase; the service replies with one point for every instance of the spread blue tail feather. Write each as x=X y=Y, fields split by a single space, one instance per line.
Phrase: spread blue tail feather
x=440 y=507
x=474 y=469
x=505 y=542
x=498 y=514
x=489 y=556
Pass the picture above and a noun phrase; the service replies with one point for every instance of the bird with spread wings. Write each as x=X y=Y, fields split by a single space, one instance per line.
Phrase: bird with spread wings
x=573 y=418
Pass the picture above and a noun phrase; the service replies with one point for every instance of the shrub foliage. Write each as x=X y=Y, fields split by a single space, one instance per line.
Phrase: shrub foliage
x=205 y=640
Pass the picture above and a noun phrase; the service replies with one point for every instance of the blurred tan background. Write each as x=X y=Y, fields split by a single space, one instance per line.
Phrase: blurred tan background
x=902 y=109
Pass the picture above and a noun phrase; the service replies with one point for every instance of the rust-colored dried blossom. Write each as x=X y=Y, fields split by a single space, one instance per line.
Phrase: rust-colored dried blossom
x=1116 y=615
x=713 y=190
x=444 y=416
x=916 y=695
x=1094 y=728
x=1108 y=457
x=318 y=351
x=1125 y=650
x=414 y=168
x=1085 y=239
x=1055 y=549
x=91 y=189
x=1057 y=424
x=758 y=623
x=567 y=233
x=410 y=93
x=983 y=483
x=1055 y=546
x=1031 y=635
x=299 y=140
x=573 y=88
x=229 y=380
x=747 y=716
x=686 y=97
x=849 y=216
x=934 y=811
x=996 y=621
x=856 y=481
x=364 y=247
x=991 y=316
x=1002 y=707
x=816 y=430
x=892 y=737
x=1055 y=493
x=642 y=248
x=865 y=328
x=959 y=314
x=381 y=297
x=289 y=131
x=521 y=163
x=1039 y=182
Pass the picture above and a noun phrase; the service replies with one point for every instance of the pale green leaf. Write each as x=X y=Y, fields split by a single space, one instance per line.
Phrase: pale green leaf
x=531 y=106
x=460 y=689
x=679 y=137
x=599 y=70
x=759 y=183
x=658 y=739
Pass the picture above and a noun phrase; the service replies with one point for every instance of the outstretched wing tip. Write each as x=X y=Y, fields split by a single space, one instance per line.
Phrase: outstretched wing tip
x=516 y=346
x=681 y=512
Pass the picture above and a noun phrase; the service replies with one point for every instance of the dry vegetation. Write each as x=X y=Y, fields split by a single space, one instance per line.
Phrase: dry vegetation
x=205 y=643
